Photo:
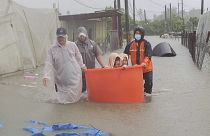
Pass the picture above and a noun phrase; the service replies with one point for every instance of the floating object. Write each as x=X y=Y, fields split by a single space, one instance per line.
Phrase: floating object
x=76 y=130
x=30 y=77
x=123 y=85
x=163 y=50
x=34 y=131
x=32 y=86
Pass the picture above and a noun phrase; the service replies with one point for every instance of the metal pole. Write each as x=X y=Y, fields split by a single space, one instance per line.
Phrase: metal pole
x=127 y=21
x=119 y=23
x=134 y=14
x=145 y=16
x=170 y=19
x=183 y=15
x=178 y=8
x=118 y=4
x=58 y=7
x=165 y=18
x=114 y=18
x=182 y=10
x=202 y=5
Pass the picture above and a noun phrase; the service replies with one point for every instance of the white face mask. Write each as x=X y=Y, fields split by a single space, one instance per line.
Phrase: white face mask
x=137 y=37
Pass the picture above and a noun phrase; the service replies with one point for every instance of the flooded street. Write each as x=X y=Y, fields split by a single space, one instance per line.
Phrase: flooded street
x=179 y=105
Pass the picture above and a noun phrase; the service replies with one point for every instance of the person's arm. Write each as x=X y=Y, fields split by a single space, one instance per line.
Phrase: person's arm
x=99 y=59
x=47 y=68
x=98 y=54
x=148 y=53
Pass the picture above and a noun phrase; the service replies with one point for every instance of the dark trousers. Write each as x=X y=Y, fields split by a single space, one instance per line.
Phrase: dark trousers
x=148 y=82
x=56 y=88
x=83 y=82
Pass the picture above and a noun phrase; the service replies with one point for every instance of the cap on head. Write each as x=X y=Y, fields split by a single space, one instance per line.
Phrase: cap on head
x=82 y=34
x=82 y=31
x=140 y=29
x=61 y=32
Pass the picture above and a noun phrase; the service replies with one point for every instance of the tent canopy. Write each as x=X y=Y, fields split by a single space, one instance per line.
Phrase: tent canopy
x=163 y=50
x=25 y=35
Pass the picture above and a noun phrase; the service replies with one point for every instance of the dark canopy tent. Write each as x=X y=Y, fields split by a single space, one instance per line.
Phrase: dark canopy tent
x=163 y=50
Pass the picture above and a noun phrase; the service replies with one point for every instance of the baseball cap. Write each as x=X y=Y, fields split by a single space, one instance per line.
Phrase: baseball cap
x=61 y=32
x=82 y=34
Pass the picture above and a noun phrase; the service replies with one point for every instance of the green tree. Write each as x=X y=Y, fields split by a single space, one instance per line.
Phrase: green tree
x=192 y=23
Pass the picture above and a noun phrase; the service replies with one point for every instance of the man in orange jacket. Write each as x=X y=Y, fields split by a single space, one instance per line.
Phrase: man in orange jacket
x=140 y=52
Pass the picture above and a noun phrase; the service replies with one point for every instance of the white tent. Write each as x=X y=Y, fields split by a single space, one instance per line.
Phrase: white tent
x=25 y=35
x=202 y=53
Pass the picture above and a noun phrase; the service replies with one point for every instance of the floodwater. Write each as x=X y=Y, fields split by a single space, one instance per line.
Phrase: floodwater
x=179 y=106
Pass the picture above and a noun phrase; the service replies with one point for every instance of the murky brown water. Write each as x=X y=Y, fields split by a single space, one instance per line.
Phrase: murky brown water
x=180 y=105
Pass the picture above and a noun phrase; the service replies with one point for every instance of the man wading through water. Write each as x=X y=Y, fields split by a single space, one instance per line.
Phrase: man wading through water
x=89 y=51
x=65 y=61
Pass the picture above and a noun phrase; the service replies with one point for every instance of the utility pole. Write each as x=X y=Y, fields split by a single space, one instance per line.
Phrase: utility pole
x=145 y=16
x=170 y=19
x=118 y=4
x=178 y=8
x=127 y=21
x=165 y=17
x=119 y=23
x=58 y=7
x=54 y=5
x=182 y=10
x=202 y=5
x=134 y=14
x=183 y=15
x=114 y=18
x=115 y=4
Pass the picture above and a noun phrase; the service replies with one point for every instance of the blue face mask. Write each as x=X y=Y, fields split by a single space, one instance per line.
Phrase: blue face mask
x=137 y=37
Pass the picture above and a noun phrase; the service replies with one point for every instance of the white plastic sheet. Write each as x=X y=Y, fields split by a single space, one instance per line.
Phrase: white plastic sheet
x=25 y=35
x=201 y=53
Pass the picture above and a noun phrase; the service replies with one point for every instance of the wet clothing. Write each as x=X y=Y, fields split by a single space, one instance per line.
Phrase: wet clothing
x=65 y=62
x=89 y=51
x=141 y=52
x=148 y=77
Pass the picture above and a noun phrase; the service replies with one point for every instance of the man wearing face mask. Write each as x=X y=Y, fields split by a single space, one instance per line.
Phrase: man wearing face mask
x=65 y=62
x=140 y=52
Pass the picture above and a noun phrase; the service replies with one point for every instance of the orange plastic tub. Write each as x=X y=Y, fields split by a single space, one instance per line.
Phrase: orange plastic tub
x=115 y=85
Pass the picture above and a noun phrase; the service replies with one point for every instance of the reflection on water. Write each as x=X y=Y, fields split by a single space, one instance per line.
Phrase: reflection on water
x=147 y=99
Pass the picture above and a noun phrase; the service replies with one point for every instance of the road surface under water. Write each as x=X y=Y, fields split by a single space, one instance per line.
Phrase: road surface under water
x=179 y=106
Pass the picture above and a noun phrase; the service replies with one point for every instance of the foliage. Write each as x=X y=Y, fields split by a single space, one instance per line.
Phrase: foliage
x=159 y=25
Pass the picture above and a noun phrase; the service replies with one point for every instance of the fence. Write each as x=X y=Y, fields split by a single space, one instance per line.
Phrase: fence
x=199 y=49
x=189 y=41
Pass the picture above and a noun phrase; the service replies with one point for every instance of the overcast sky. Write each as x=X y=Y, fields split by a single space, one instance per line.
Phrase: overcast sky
x=87 y=6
